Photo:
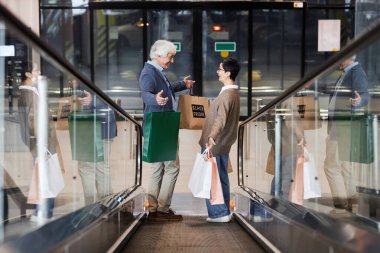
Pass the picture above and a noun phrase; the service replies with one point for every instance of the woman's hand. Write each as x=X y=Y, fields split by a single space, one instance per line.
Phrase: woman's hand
x=211 y=143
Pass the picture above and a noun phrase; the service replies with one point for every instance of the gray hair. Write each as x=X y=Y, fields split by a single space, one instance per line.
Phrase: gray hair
x=162 y=48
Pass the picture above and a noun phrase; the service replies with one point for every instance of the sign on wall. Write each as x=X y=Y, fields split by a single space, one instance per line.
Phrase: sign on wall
x=328 y=35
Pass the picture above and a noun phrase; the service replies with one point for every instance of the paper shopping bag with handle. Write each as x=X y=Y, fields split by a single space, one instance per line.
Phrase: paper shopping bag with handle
x=160 y=136
x=200 y=178
x=86 y=137
x=312 y=188
x=193 y=111
x=51 y=183
x=309 y=111
x=296 y=190
x=216 y=193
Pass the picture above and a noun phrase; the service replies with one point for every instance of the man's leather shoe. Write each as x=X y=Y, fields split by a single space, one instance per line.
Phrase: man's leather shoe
x=162 y=216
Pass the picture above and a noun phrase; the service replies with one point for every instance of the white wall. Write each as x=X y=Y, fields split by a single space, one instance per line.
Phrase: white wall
x=26 y=10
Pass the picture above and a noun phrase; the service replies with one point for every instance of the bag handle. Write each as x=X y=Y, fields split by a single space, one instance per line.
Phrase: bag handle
x=207 y=154
x=190 y=91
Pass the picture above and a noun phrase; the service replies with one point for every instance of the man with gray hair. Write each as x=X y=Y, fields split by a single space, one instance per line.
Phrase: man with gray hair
x=158 y=95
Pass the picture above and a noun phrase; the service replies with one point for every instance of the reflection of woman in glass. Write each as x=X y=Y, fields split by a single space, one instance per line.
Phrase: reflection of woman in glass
x=292 y=144
x=220 y=132
x=27 y=113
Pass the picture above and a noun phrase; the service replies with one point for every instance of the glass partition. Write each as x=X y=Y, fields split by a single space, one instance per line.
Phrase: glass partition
x=62 y=148
x=277 y=40
x=345 y=14
x=63 y=30
x=117 y=51
x=225 y=34
x=175 y=26
x=319 y=147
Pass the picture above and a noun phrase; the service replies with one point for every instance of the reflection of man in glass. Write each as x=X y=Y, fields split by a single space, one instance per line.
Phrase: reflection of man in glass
x=96 y=176
x=338 y=172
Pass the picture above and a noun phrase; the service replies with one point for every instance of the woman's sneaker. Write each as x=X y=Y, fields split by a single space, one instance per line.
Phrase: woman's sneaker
x=259 y=213
x=226 y=218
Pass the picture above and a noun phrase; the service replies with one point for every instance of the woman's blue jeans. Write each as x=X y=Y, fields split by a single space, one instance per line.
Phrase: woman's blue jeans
x=288 y=168
x=46 y=212
x=216 y=211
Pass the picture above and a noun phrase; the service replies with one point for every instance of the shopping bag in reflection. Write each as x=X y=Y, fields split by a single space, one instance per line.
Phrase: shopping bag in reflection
x=355 y=138
x=33 y=196
x=160 y=136
x=311 y=188
x=86 y=137
x=200 y=178
x=216 y=193
x=52 y=182
x=270 y=161
x=193 y=111
x=309 y=111
x=296 y=190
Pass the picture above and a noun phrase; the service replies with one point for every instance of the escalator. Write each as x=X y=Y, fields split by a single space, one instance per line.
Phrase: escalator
x=192 y=234
x=80 y=222
x=263 y=221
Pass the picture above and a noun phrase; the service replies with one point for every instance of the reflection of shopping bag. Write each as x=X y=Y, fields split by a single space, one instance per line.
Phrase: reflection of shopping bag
x=160 y=136
x=308 y=109
x=33 y=197
x=64 y=108
x=270 y=161
x=200 y=178
x=86 y=137
x=216 y=194
x=296 y=190
x=54 y=180
x=193 y=111
x=311 y=188
x=355 y=138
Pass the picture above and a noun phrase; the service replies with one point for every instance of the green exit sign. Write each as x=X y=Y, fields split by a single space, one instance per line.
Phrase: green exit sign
x=177 y=46
x=225 y=46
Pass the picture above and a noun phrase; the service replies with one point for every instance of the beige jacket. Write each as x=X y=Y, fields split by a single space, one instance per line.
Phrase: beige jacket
x=222 y=122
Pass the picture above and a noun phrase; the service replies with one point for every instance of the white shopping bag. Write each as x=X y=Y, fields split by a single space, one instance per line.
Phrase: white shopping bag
x=52 y=182
x=312 y=188
x=55 y=182
x=200 y=179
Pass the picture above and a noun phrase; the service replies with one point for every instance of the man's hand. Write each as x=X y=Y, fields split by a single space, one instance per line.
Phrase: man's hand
x=189 y=83
x=161 y=100
x=87 y=99
x=356 y=101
